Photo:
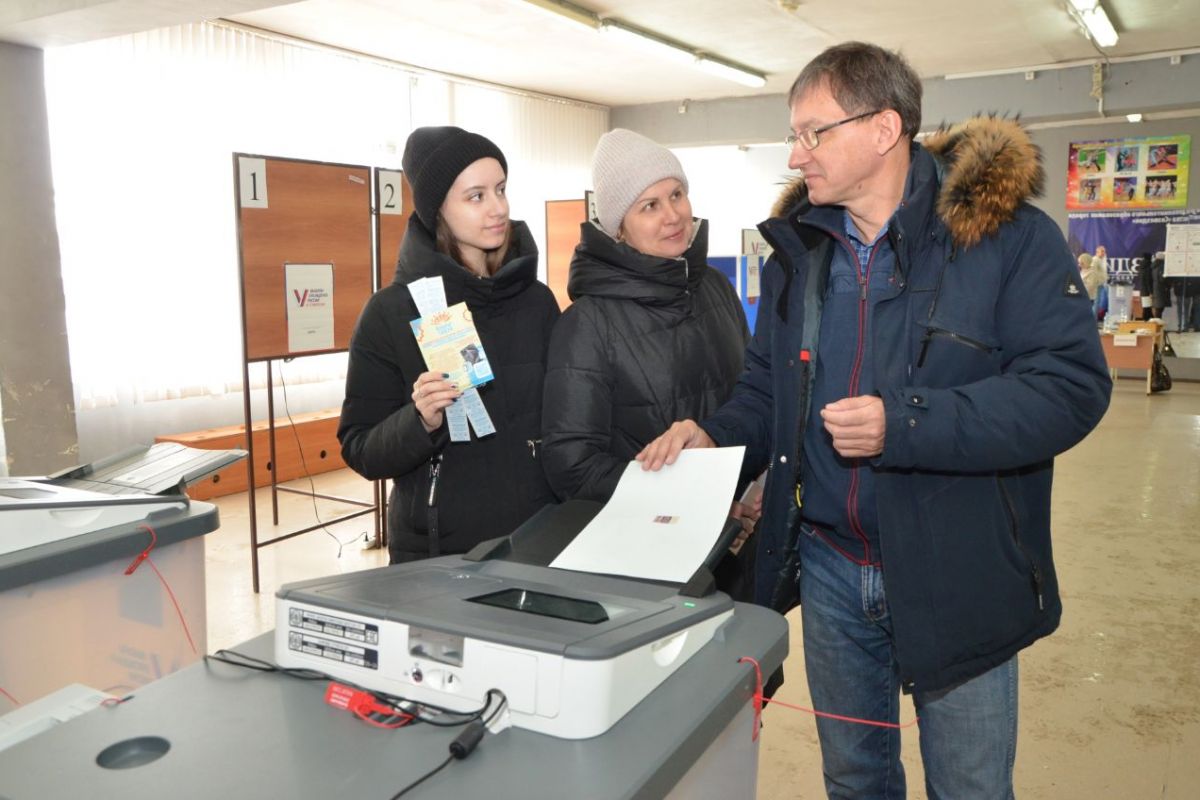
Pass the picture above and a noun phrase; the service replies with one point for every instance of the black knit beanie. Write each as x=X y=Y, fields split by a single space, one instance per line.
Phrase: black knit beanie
x=433 y=159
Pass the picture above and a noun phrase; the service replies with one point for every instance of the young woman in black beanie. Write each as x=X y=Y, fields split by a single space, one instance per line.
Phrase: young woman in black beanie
x=449 y=496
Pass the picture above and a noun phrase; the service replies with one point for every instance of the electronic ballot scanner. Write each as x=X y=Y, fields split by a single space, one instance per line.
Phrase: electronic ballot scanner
x=573 y=652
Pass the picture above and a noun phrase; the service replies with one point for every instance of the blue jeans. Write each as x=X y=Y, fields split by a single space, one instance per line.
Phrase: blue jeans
x=968 y=733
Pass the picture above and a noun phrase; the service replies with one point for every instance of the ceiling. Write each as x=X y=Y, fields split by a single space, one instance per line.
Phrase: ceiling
x=515 y=43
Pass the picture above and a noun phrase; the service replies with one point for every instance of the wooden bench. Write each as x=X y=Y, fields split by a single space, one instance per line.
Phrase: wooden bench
x=316 y=432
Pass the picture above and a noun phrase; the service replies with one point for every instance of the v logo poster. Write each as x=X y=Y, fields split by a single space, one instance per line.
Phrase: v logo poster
x=308 y=292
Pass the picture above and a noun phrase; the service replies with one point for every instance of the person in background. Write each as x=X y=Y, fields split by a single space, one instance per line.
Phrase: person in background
x=1093 y=277
x=1144 y=282
x=1160 y=285
x=653 y=335
x=1100 y=263
x=1187 y=303
x=1094 y=270
x=1152 y=285
x=1084 y=261
x=923 y=351
x=449 y=496
x=1163 y=157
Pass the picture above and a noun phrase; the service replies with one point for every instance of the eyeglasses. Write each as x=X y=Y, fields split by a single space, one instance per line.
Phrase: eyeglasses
x=809 y=137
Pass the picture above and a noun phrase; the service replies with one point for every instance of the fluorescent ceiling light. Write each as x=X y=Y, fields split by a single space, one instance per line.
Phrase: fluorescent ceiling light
x=648 y=43
x=681 y=54
x=568 y=12
x=1094 y=18
x=729 y=73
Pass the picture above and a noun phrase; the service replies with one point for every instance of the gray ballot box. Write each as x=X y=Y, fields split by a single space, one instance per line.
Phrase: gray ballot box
x=214 y=729
x=71 y=610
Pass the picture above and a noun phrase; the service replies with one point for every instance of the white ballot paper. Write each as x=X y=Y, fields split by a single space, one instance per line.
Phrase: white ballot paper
x=429 y=295
x=477 y=412
x=456 y=420
x=660 y=525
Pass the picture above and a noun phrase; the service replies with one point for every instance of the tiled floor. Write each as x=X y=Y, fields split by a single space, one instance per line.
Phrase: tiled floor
x=235 y=612
x=1186 y=345
x=1110 y=705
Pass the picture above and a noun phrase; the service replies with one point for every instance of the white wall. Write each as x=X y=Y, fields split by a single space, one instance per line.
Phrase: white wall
x=733 y=188
x=142 y=130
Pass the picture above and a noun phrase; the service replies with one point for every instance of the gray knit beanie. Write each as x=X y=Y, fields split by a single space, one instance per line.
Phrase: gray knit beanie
x=624 y=165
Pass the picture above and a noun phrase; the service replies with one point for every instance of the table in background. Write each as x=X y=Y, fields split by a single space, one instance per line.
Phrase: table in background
x=1140 y=356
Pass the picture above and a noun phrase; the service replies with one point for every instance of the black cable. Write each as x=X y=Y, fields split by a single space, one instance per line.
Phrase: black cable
x=468 y=716
x=464 y=744
x=423 y=778
x=312 y=486
x=236 y=659
x=259 y=665
x=499 y=708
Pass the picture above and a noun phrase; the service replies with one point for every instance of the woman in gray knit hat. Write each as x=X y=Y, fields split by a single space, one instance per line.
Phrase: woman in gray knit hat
x=654 y=334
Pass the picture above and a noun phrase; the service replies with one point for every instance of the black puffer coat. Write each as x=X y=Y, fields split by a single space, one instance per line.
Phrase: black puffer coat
x=648 y=341
x=486 y=487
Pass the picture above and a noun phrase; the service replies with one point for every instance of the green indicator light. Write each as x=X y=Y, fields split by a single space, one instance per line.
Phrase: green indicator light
x=689 y=605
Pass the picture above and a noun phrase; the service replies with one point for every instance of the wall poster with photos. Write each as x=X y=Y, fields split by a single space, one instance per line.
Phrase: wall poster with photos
x=1147 y=172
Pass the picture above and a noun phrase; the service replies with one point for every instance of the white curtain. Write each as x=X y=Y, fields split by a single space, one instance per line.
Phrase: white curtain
x=142 y=132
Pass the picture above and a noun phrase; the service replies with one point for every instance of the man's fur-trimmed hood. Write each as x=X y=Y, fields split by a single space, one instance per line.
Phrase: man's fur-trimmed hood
x=988 y=167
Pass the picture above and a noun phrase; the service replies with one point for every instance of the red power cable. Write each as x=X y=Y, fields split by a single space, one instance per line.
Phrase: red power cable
x=14 y=700
x=145 y=556
x=759 y=700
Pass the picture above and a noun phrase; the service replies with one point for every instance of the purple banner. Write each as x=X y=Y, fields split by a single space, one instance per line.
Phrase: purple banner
x=1126 y=235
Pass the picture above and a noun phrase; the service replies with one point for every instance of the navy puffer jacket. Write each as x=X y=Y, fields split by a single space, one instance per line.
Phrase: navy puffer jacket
x=989 y=365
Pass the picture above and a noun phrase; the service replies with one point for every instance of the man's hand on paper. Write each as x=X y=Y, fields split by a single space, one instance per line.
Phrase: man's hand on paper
x=665 y=449
x=431 y=394
x=857 y=425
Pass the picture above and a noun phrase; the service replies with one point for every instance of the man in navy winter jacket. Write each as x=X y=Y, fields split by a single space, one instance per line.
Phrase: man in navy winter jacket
x=925 y=349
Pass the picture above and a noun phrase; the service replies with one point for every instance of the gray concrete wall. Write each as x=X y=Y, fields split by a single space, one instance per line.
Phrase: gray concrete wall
x=35 y=373
x=1047 y=101
x=1053 y=95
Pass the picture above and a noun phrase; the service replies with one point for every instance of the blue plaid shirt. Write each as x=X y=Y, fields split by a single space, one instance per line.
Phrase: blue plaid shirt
x=862 y=250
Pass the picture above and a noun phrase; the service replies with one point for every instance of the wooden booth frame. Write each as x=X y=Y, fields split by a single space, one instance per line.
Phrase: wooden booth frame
x=300 y=211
